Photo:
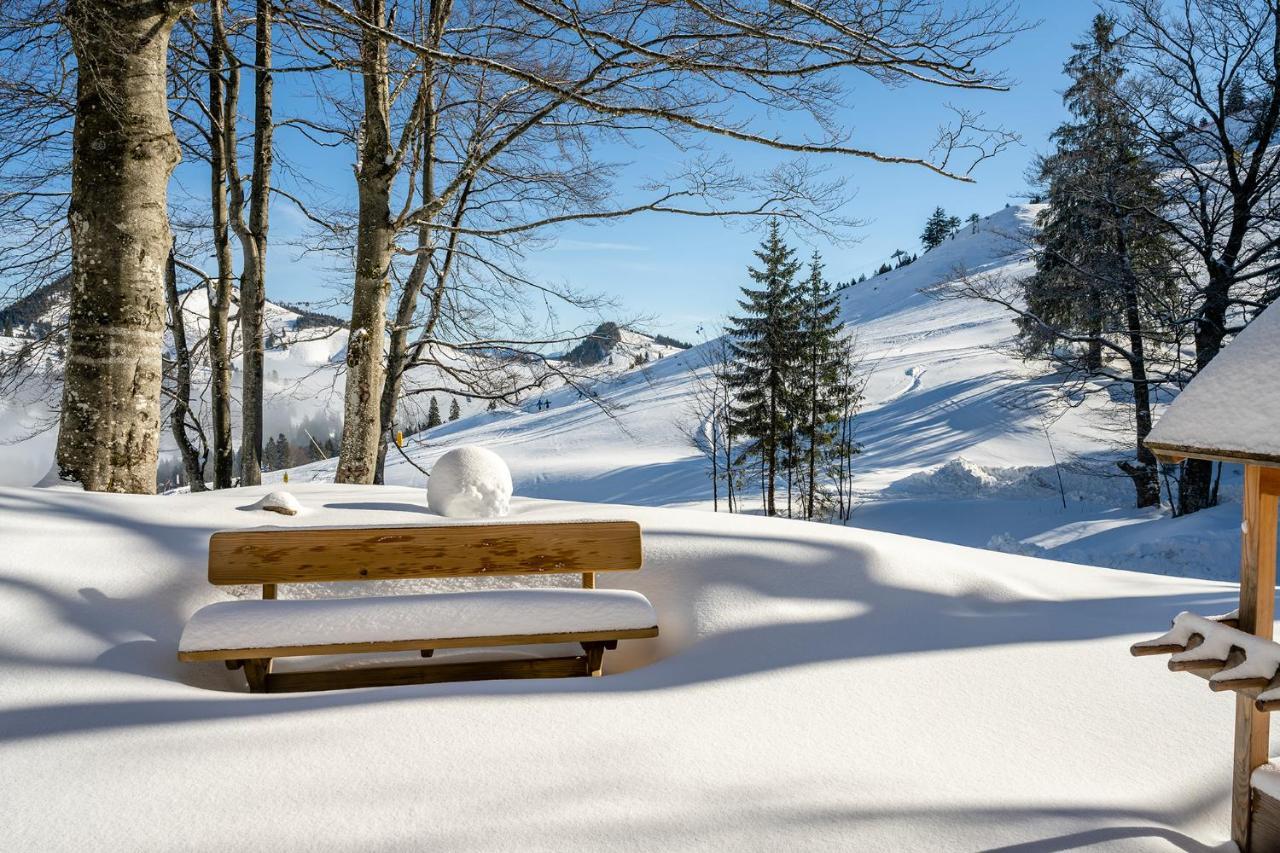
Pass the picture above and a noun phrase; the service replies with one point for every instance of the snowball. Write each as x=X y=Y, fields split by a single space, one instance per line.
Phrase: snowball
x=470 y=482
x=281 y=502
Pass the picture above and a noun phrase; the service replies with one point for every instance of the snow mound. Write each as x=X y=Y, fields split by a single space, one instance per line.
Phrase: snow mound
x=281 y=502
x=957 y=478
x=470 y=482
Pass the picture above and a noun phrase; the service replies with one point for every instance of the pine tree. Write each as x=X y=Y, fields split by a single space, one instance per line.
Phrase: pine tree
x=1102 y=269
x=454 y=411
x=763 y=345
x=884 y=268
x=284 y=453
x=493 y=405
x=816 y=376
x=937 y=229
x=269 y=455
x=433 y=414
x=1236 y=101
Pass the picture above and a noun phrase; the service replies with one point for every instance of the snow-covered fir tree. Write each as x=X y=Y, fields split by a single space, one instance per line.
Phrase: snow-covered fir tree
x=433 y=414
x=1102 y=286
x=454 y=411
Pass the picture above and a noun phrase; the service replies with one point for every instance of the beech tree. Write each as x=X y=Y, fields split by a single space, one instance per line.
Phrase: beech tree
x=124 y=152
x=577 y=74
x=1208 y=106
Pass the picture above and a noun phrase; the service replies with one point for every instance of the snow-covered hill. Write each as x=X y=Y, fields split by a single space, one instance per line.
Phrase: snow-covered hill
x=302 y=381
x=949 y=412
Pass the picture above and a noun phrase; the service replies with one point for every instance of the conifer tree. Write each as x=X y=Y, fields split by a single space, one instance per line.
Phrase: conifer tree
x=763 y=345
x=1103 y=276
x=938 y=228
x=433 y=414
x=454 y=411
x=817 y=375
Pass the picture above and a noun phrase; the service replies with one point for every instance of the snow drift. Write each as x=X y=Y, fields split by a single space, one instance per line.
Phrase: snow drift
x=813 y=688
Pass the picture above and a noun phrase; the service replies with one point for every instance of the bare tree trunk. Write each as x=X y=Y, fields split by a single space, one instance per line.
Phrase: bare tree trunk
x=192 y=460
x=1195 y=486
x=124 y=151
x=253 y=241
x=222 y=110
x=361 y=426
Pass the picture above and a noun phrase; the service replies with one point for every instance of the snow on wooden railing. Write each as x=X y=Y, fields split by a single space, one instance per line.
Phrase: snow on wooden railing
x=1229 y=658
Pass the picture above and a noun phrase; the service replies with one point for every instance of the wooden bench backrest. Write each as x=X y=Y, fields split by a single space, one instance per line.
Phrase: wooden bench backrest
x=319 y=554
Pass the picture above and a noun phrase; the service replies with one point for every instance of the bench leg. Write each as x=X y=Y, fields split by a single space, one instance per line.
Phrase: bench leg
x=256 y=671
x=595 y=657
x=426 y=653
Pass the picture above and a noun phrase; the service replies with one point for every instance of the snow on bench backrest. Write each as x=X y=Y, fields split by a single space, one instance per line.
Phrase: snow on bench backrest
x=315 y=554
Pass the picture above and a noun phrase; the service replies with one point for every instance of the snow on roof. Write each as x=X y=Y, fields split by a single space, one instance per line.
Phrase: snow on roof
x=1231 y=410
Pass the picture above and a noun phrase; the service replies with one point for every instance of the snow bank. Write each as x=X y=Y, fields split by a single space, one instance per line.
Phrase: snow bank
x=813 y=688
x=470 y=482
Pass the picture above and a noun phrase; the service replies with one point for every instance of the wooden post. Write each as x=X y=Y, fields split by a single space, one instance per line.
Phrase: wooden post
x=1257 y=616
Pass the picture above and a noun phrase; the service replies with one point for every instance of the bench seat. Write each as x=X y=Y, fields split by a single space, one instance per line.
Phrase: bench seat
x=244 y=629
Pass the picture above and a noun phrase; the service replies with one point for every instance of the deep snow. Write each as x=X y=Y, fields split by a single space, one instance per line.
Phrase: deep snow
x=813 y=688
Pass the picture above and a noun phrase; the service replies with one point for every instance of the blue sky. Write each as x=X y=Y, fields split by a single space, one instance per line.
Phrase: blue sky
x=684 y=274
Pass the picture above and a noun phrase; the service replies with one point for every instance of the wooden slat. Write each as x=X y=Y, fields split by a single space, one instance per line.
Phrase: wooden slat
x=1142 y=651
x=1264 y=833
x=1257 y=614
x=416 y=645
x=387 y=676
x=1269 y=481
x=299 y=554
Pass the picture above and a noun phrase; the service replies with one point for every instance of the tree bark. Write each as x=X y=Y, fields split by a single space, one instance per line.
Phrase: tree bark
x=376 y=232
x=253 y=244
x=192 y=460
x=124 y=151
x=222 y=111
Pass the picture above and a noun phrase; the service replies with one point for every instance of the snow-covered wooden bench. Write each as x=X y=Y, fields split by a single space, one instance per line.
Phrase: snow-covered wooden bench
x=250 y=634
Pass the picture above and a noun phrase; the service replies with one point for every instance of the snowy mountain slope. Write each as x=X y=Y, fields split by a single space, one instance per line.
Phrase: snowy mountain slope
x=814 y=688
x=945 y=397
x=302 y=381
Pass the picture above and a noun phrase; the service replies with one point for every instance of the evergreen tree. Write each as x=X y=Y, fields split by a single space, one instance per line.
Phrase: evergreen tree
x=816 y=376
x=884 y=268
x=1236 y=101
x=938 y=228
x=269 y=455
x=454 y=411
x=329 y=450
x=493 y=405
x=433 y=414
x=763 y=347
x=284 y=453
x=1102 y=269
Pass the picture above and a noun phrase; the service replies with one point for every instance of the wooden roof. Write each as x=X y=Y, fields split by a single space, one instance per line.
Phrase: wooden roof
x=1231 y=411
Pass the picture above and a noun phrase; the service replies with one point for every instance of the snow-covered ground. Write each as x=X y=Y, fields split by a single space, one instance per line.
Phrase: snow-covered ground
x=814 y=688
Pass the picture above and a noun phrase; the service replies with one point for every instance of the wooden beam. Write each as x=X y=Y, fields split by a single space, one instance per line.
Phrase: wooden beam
x=1257 y=616
x=595 y=658
x=1269 y=481
x=416 y=644
x=318 y=554
x=256 y=672
x=389 y=676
